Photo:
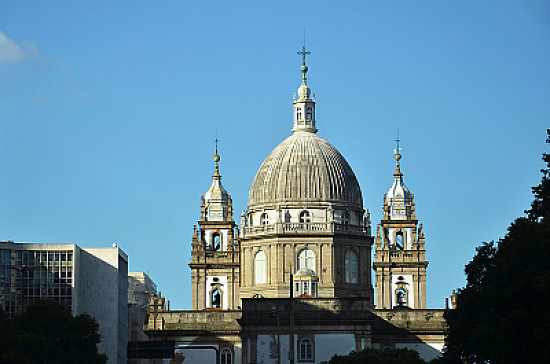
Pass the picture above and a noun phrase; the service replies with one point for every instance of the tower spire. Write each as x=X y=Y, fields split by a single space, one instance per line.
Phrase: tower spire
x=304 y=106
x=216 y=159
x=397 y=157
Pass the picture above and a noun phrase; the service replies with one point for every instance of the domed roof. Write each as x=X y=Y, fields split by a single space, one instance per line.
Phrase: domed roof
x=305 y=168
x=398 y=192
x=216 y=193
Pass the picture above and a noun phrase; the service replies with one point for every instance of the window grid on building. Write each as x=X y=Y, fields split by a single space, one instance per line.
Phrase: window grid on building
x=30 y=275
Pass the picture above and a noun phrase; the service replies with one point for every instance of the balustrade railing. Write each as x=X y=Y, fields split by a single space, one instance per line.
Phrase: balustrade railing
x=302 y=227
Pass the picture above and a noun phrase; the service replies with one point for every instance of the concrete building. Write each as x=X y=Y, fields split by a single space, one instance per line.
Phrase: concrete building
x=140 y=289
x=295 y=284
x=86 y=280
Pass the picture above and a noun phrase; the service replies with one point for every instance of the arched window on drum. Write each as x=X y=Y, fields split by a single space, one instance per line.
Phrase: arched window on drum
x=345 y=218
x=305 y=217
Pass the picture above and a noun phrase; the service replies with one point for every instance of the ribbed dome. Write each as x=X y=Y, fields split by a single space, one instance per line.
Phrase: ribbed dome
x=305 y=168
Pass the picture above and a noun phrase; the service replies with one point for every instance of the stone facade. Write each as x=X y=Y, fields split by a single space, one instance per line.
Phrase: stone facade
x=215 y=257
x=295 y=286
x=400 y=255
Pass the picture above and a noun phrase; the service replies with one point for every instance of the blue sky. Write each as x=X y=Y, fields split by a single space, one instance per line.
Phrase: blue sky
x=108 y=111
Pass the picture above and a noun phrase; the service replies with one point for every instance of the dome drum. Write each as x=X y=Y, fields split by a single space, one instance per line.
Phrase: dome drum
x=313 y=228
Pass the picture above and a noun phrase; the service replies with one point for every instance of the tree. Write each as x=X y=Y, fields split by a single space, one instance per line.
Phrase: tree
x=373 y=356
x=502 y=313
x=47 y=333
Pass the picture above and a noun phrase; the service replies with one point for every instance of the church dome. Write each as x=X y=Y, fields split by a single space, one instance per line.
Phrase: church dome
x=305 y=168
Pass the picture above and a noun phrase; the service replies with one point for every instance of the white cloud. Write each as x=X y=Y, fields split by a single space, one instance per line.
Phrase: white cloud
x=11 y=52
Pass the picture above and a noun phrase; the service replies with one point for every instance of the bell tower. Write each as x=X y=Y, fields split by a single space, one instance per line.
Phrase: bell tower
x=215 y=256
x=400 y=258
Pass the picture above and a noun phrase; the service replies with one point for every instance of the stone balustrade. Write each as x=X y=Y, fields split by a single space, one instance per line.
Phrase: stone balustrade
x=304 y=228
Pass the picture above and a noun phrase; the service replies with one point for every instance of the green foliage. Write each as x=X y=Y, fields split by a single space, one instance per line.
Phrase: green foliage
x=373 y=356
x=47 y=333
x=502 y=314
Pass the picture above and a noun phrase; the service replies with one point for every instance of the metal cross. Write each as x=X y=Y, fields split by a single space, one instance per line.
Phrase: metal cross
x=397 y=140
x=216 y=141
x=303 y=53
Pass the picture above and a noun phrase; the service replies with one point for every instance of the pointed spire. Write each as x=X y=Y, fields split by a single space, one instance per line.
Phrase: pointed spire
x=216 y=160
x=398 y=201
x=397 y=157
x=304 y=106
x=217 y=206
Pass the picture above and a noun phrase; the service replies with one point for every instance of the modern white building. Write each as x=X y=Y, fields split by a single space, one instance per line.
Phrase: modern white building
x=87 y=280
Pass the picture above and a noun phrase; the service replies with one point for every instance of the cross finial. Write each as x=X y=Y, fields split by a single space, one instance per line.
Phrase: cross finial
x=397 y=140
x=303 y=53
x=216 y=141
x=397 y=157
x=216 y=156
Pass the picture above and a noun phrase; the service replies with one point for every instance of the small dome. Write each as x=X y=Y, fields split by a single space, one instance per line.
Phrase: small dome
x=305 y=169
x=304 y=92
x=216 y=192
x=398 y=191
x=305 y=272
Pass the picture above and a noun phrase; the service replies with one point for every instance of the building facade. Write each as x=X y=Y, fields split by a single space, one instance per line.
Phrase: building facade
x=140 y=289
x=400 y=255
x=295 y=285
x=216 y=257
x=86 y=280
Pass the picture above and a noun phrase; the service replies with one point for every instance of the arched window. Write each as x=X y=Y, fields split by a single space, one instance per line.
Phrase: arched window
x=216 y=244
x=345 y=218
x=260 y=271
x=306 y=350
x=350 y=263
x=299 y=114
x=401 y=297
x=216 y=299
x=305 y=217
x=399 y=240
x=264 y=219
x=226 y=356
x=306 y=258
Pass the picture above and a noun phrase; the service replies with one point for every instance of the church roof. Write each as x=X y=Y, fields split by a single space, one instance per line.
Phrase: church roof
x=305 y=168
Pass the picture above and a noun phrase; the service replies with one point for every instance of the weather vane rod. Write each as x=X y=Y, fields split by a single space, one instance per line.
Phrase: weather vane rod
x=303 y=53
x=397 y=140
x=216 y=141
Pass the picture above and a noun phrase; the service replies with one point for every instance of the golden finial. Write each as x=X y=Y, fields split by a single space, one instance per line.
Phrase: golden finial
x=216 y=157
x=397 y=156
